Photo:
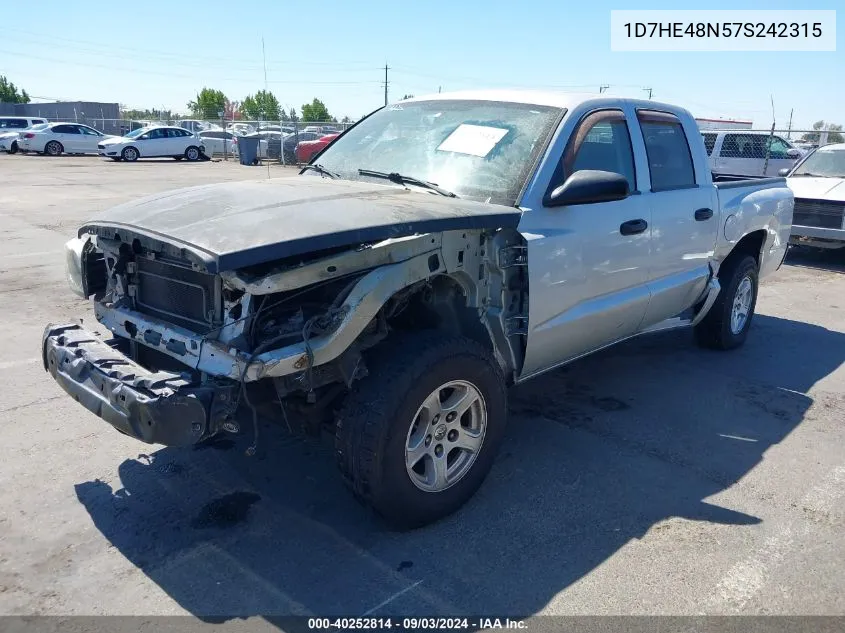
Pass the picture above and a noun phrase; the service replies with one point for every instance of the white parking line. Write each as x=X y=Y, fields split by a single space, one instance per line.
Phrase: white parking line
x=38 y=254
x=17 y=363
x=746 y=578
x=391 y=598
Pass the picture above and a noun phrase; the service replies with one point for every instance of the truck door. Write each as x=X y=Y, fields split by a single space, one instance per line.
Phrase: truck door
x=587 y=263
x=684 y=214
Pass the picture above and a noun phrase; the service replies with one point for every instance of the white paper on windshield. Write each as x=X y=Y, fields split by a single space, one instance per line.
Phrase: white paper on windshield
x=476 y=140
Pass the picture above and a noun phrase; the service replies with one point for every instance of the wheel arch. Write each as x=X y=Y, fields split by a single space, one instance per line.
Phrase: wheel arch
x=751 y=244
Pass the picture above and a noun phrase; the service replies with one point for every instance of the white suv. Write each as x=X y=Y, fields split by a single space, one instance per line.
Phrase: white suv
x=743 y=152
x=10 y=129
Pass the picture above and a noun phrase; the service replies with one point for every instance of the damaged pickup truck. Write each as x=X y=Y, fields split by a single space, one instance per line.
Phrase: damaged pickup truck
x=439 y=251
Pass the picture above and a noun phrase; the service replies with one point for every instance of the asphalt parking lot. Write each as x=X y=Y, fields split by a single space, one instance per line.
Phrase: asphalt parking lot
x=653 y=478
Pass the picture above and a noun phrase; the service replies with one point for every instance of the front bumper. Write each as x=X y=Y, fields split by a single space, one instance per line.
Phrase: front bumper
x=816 y=236
x=155 y=407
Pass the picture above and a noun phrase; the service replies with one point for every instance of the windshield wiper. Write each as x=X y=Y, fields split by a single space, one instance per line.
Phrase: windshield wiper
x=399 y=179
x=321 y=170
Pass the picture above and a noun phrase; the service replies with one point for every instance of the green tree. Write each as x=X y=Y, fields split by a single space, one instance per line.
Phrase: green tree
x=834 y=133
x=316 y=111
x=263 y=106
x=293 y=116
x=346 y=119
x=208 y=104
x=9 y=92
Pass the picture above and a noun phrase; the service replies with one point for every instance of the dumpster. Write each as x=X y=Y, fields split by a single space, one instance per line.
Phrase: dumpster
x=248 y=149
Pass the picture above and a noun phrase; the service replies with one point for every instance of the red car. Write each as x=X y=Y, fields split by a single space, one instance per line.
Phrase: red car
x=305 y=150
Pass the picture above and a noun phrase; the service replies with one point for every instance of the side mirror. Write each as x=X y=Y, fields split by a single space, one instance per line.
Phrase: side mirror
x=589 y=186
x=793 y=153
x=784 y=172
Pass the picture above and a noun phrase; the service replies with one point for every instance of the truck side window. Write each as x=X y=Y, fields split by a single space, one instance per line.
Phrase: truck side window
x=602 y=142
x=667 y=148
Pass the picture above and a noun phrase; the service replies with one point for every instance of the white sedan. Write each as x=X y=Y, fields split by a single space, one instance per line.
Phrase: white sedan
x=219 y=142
x=9 y=140
x=154 y=141
x=61 y=138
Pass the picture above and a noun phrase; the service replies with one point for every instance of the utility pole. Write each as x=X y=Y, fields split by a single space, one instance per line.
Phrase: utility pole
x=386 y=68
x=603 y=87
x=438 y=89
x=648 y=90
x=789 y=130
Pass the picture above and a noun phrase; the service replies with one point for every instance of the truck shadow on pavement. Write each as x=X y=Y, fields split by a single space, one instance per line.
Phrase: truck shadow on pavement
x=832 y=260
x=631 y=441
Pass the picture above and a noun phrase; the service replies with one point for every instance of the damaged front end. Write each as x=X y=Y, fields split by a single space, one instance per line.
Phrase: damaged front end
x=189 y=343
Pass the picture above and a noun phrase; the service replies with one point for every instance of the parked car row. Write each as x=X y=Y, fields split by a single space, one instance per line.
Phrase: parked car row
x=189 y=139
x=54 y=139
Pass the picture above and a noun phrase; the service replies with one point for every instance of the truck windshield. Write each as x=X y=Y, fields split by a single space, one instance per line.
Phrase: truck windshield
x=481 y=150
x=827 y=162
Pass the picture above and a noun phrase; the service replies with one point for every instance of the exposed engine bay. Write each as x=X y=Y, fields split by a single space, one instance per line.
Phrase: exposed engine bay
x=302 y=325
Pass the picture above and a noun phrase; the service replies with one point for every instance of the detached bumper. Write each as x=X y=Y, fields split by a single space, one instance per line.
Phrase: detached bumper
x=154 y=407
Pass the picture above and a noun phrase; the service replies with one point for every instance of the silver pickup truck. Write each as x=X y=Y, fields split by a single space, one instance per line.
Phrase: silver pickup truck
x=439 y=251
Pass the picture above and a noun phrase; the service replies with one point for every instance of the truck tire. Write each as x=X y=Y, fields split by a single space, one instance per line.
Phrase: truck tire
x=726 y=325
x=416 y=438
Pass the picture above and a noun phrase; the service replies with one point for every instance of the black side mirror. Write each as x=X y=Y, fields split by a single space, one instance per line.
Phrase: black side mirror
x=589 y=186
x=783 y=172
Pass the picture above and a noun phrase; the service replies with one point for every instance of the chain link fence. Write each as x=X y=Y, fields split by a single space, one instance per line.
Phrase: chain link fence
x=759 y=152
x=278 y=139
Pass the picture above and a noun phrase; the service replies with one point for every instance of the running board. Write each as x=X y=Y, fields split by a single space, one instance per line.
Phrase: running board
x=677 y=322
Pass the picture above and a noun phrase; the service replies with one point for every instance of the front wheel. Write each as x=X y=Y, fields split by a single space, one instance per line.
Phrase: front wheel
x=54 y=148
x=192 y=153
x=129 y=154
x=726 y=325
x=416 y=438
x=13 y=148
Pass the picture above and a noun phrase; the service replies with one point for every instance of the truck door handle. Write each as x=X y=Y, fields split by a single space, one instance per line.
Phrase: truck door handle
x=632 y=227
x=703 y=214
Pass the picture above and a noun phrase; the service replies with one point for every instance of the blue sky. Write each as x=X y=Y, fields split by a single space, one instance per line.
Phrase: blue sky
x=159 y=54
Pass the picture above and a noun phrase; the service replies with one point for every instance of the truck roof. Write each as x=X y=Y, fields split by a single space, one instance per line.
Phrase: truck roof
x=568 y=100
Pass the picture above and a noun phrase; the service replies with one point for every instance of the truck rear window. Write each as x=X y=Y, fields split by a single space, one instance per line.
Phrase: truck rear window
x=669 y=158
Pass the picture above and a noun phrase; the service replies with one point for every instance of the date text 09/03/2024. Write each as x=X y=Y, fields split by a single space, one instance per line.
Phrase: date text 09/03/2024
x=414 y=624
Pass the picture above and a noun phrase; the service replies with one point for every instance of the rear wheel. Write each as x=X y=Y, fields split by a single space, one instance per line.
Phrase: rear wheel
x=13 y=148
x=129 y=154
x=416 y=438
x=726 y=325
x=192 y=153
x=53 y=148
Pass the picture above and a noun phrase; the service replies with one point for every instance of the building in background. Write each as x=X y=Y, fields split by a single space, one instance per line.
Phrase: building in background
x=723 y=124
x=103 y=116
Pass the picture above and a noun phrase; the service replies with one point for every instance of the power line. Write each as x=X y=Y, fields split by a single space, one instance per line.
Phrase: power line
x=188 y=76
x=177 y=58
